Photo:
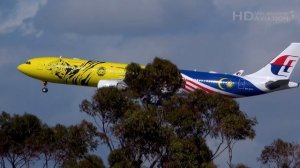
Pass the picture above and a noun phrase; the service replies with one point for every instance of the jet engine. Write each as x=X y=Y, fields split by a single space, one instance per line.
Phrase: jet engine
x=115 y=83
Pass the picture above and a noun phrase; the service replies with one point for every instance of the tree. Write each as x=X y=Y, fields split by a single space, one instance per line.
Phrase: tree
x=19 y=133
x=107 y=107
x=123 y=158
x=25 y=140
x=161 y=78
x=231 y=124
x=46 y=144
x=187 y=152
x=89 y=161
x=74 y=142
x=209 y=116
x=172 y=133
x=142 y=132
x=280 y=154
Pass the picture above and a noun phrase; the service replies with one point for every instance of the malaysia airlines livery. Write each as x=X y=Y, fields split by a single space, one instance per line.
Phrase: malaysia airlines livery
x=272 y=77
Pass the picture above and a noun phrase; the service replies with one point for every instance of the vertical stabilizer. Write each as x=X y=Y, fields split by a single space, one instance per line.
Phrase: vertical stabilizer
x=281 y=67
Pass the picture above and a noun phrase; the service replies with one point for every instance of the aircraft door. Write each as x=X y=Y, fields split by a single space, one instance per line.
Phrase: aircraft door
x=241 y=83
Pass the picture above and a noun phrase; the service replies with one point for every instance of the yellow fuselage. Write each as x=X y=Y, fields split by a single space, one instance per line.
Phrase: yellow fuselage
x=72 y=70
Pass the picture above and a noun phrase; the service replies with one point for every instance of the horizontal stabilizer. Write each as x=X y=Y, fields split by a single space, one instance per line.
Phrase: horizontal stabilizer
x=239 y=73
x=277 y=84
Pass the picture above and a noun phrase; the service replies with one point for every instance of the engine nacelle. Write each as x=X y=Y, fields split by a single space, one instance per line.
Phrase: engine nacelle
x=115 y=83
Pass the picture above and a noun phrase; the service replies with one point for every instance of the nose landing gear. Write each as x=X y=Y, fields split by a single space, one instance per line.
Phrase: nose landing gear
x=45 y=89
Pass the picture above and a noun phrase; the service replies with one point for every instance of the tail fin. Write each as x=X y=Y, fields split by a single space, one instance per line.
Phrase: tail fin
x=281 y=67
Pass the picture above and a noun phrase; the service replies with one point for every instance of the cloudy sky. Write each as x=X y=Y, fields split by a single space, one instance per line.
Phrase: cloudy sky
x=219 y=35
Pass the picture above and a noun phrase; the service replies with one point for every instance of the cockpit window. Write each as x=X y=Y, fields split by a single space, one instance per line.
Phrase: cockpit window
x=28 y=62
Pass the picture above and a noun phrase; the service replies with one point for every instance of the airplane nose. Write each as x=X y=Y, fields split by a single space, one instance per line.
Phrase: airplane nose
x=21 y=67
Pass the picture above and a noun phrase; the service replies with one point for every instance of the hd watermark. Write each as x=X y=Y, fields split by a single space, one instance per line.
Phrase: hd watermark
x=272 y=17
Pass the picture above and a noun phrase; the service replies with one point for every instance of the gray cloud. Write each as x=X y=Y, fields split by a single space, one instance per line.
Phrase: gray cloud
x=17 y=16
x=120 y=17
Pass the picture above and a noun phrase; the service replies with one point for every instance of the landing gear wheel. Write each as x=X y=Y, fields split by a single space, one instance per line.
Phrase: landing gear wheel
x=45 y=90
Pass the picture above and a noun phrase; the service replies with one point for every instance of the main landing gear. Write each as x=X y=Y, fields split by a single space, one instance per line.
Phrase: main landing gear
x=45 y=89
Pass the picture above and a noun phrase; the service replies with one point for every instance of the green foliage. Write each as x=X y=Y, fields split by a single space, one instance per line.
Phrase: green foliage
x=109 y=103
x=209 y=115
x=18 y=135
x=230 y=121
x=135 y=78
x=280 y=154
x=75 y=141
x=172 y=134
x=188 y=152
x=89 y=161
x=122 y=158
x=107 y=107
x=204 y=114
x=25 y=139
x=161 y=78
x=142 y=132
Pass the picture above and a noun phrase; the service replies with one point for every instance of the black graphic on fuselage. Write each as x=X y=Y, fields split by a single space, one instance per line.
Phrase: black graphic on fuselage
x=78 y=75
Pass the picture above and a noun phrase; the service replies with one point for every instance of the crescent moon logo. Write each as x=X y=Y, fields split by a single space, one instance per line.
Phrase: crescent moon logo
x=220 y=83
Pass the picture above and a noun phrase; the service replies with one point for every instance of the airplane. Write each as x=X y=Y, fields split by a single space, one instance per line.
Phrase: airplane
x=274 y=76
